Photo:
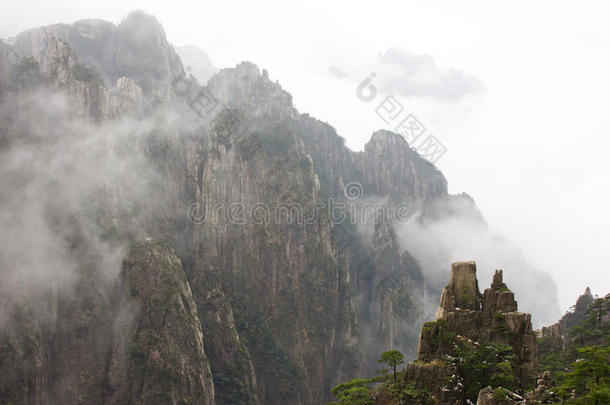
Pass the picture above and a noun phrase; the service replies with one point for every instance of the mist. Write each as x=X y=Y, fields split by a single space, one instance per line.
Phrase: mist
x=440 y=242
x=73 y=192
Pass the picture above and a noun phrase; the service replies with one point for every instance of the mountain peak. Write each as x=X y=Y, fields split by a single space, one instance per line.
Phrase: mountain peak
x=136 y=48
x=245 y=86
x=385 y=136
x=142 y=19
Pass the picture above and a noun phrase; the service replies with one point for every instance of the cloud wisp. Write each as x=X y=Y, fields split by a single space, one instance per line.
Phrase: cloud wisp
x=418 y=75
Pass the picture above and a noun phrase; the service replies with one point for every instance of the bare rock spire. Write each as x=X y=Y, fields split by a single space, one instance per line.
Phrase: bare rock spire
x=462 y=292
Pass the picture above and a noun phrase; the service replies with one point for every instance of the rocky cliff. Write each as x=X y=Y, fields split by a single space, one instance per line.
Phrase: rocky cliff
x=471 y=326
x=177 y=242
x=488 y=317
x=137 y=339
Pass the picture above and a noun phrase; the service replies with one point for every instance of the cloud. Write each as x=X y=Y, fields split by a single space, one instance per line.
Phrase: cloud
x=338 y=72
x=67 y=188
x=437 y=244
x=406 y=74
x=197 y=62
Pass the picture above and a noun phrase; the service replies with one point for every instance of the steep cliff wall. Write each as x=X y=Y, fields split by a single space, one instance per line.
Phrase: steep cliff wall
x=240 y=283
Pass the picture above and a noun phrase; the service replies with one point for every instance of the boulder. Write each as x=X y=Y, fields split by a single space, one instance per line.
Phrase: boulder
x=543 y=391
x=498 y=396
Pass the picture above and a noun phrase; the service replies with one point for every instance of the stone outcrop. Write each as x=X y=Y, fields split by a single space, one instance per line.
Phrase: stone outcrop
x=554 y=333
x=576 y=316
x=489 y=396
x=498 y=297
x=462 y=292
x=490 y=317
x=543 y=393
x=475 y=319
x=248 y=88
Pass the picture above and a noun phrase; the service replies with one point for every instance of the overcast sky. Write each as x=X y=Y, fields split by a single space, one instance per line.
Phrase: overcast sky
x=517 y=93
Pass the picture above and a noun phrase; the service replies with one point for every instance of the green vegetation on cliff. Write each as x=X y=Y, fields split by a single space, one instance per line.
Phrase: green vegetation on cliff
x=580 y=362
x=364 y=391
x=485 y=365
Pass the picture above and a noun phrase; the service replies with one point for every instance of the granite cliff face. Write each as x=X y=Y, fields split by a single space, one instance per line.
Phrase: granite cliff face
x=164 y=345
x=137 y=48
x=133 y=340
x=469 y=324
x=488 y=317
x=557 y=334
x=232 y=281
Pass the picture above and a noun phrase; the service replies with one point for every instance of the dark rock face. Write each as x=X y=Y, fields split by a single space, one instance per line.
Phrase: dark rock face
x=389 y=282
x=134 y=340
x=166 y=362
x=576 y=316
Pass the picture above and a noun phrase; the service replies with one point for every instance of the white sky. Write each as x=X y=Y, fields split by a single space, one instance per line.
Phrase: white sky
x=532 y=148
